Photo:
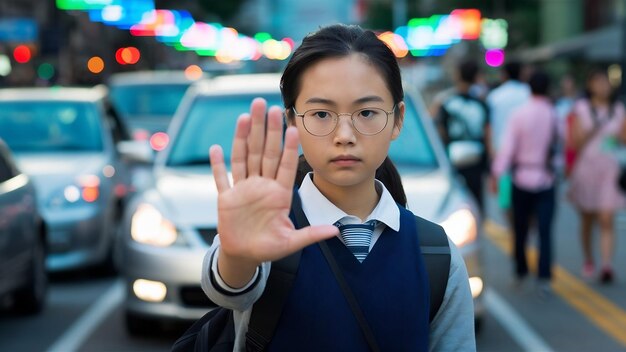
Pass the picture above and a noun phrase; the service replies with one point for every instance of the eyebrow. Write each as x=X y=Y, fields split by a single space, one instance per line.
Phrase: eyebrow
x=366 y=99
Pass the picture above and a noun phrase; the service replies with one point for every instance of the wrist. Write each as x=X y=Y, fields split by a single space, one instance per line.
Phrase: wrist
x=236 y=272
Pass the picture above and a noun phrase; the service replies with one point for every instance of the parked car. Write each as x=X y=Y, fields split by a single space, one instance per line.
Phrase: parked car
x=167 y=229
x=23 y=277
x=64 y=140
x=147 y=100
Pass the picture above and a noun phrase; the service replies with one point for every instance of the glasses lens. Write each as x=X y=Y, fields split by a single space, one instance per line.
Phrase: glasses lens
x=370 y=120
x=319 y=122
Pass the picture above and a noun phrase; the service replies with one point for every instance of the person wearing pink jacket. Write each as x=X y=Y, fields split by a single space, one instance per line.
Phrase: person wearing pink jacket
x=527 y=152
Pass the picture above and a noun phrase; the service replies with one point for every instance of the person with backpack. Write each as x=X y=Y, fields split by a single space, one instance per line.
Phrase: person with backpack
x=463 y=117
x=596 y=126
x=361 y=282
x=528 y=151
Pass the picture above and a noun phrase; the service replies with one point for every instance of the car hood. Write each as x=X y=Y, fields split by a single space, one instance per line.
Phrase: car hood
x=51 y=171
x=190 y=194
x=427 y=192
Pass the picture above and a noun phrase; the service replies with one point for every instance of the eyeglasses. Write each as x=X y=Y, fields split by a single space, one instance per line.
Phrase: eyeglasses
x=367 y=121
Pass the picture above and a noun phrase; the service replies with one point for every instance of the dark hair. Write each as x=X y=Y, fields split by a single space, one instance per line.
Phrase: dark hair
x=337 y=41
x=539 y=83
x=468 y=70
x=513 y=70
x=593 y=73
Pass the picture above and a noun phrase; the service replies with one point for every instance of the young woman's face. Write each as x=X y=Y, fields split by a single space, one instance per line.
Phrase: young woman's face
x=600 y=86
x=345 y=157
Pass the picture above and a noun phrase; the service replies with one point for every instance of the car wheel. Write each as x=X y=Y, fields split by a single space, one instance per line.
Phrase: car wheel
x=138 y=325
x=31 y=298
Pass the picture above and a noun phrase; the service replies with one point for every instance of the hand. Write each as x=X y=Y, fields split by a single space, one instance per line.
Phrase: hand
x=253 y=214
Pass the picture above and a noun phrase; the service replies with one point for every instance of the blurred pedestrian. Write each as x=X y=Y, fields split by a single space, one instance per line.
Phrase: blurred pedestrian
x=597 y=125
x=502 y=100
x=528 y=152
x=567 y=95
x=465 y=118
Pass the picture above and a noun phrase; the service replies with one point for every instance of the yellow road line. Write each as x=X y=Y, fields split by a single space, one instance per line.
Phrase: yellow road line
x=609 y=317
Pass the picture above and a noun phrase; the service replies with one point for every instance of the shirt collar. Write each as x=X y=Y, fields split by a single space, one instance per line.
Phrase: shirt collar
x=320 y=211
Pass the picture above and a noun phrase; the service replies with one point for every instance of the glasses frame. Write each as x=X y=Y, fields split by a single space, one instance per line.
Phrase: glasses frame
x=393 y=109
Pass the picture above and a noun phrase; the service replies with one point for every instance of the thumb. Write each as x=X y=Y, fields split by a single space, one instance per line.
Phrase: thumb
x=311 y=234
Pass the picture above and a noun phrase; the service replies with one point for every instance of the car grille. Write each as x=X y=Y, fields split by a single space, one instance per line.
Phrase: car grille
x=193 y=296
x=208 y=235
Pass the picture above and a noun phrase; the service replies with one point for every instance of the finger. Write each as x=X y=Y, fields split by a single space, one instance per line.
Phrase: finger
x=273 y=141
x=309 y=235
x=289 y=162
x=238 y=158
x=219 y=168
x=256 y=139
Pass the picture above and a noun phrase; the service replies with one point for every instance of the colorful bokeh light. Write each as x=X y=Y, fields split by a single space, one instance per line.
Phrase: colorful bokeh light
x=95 y=64
x=45 y=71
x=22 y=54
x=193 y=72
x=494 y=57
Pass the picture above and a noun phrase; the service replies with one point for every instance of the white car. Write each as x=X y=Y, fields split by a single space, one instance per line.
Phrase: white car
x=168 y=228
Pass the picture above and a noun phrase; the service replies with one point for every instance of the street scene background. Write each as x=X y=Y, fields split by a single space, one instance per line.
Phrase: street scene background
x=87 y=44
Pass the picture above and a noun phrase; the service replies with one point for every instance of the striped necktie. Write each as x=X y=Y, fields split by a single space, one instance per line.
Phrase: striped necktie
x=357 y=237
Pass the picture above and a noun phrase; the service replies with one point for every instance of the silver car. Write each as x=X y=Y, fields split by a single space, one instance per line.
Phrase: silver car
x=168 y=228
x=64 y=140
x=23 y=278
x=147 y=101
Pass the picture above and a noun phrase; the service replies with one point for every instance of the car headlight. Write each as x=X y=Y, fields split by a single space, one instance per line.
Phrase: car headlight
x=461 y=227
x=86 y=189
x=148 y=226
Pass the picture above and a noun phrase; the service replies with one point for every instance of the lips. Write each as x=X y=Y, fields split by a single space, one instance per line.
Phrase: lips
x=345 y=160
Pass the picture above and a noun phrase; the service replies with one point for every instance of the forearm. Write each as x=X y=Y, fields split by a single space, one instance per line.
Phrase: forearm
x=222 y=294
x=452 y=329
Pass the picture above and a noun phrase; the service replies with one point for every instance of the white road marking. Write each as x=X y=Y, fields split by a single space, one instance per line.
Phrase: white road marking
x=513 y=323
x=90 y=320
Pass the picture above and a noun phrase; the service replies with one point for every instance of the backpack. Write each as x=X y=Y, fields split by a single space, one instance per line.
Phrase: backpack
x=215 y=331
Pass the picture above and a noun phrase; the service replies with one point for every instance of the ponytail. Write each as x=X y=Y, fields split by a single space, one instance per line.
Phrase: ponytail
x=386 y=173
x=389 y=176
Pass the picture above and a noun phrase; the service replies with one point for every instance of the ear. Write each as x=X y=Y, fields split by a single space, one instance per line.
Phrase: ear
x=289 y=117
x=399 y=121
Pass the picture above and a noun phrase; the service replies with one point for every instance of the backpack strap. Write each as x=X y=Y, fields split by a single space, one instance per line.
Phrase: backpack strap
x=268 y=308
x=436 y=254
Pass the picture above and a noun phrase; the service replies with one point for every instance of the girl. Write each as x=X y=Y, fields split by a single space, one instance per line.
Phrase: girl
x=597 y=124
x=343 y=100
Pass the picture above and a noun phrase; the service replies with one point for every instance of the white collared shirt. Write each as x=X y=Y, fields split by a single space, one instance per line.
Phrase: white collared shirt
x=320 y=211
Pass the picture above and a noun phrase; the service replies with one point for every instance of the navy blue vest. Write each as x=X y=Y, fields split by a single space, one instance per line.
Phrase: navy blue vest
x=391 y=287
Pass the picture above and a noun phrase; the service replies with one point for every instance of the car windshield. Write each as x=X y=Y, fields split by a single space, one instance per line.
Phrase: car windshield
x=45 y=126
x=156 y=100
x=211 y=120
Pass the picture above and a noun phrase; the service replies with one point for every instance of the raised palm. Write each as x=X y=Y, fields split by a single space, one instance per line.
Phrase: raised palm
x=253 y=213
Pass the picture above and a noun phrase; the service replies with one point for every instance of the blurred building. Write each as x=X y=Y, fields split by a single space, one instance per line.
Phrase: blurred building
x=580 y=31
x=55 y=46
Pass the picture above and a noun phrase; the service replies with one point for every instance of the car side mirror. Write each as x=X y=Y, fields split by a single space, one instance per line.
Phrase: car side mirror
x=464 y=153
x=136 y=151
